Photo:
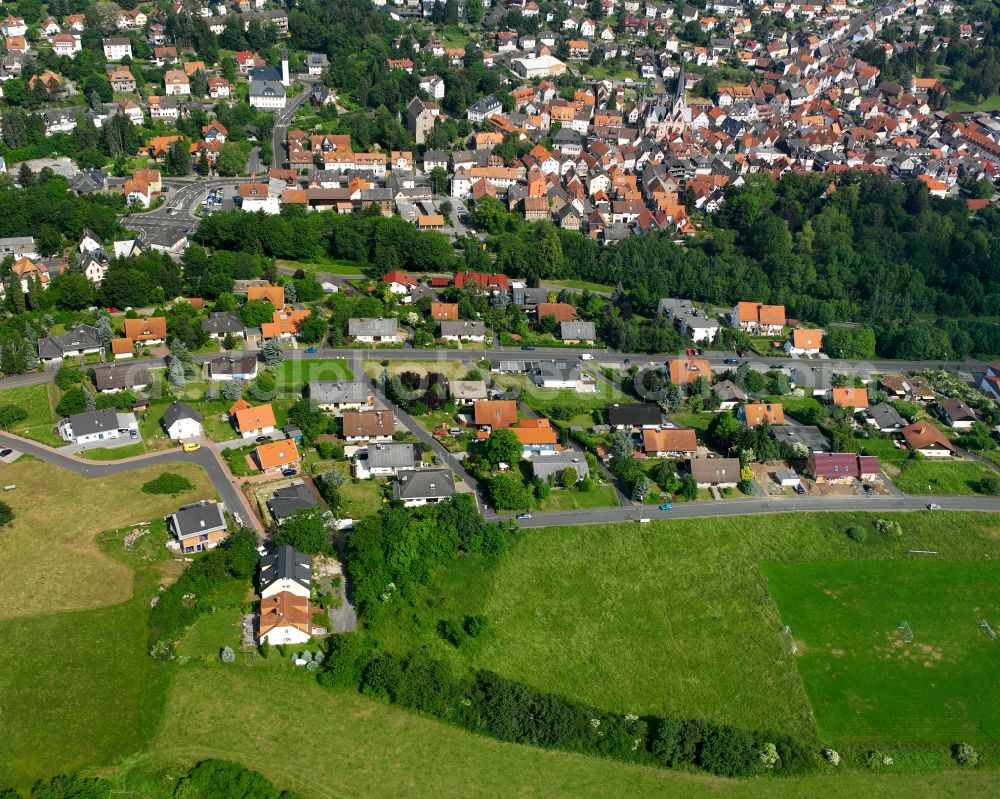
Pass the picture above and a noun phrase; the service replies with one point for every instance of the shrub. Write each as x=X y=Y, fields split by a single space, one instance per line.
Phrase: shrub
x=264 y=649
x=227 y=655
x=875 y=760
x=325 y=449
x=990 y=484
x=451 y=631
x=11 y=414
x=476 y=625
x=168 y=483
x=832 y=756
x=726 y=751
x=889 y=529
x=768 y=756
x=6 y=514
x=586 y=485
x=858 y=534
x=965 y=755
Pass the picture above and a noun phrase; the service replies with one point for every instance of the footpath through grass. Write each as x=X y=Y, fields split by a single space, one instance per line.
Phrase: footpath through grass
x=866 y=683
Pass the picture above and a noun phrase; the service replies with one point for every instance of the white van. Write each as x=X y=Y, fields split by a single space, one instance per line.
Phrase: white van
x=586 y=356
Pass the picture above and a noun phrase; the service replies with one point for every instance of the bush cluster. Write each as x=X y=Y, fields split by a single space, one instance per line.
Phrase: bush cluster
x=167 y=483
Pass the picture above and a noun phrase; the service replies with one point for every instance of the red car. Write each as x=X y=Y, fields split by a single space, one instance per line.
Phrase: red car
x=111 y=310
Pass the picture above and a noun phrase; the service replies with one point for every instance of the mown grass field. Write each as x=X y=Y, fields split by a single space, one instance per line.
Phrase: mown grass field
x=602 y=496
x=865 y=683
x=672 y=617
x=337 y=744
x=293 y=373
x=48 y=556
x=39 y=401
x=946 y=477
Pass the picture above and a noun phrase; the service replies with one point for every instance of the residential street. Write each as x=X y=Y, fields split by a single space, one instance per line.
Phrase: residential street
x=206 y=457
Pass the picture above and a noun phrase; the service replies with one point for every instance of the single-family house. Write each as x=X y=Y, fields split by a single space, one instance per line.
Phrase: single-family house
x=152 y=330
x=729 y=395
x=718 y=472
x=119 y=377
x=804 y=342
x=835 y=467
x=669 y=443
x=291 y=499
x=465 y=392
x=368 y=426
x=956 y=413
x=385 y=459
x=537 y=437
x=285 y=619
x=577 y=332
x=549 y=467
x=373 y=331
x=273 y=456
x=632 y=416
x=758 y=319
x=462 y=330
x=181 y=421
x=337 y=396
x=884 y=418
x=198 y=526
x=105 y=424
x=925 y=438
x=850 y=397
x=755 y=413
x=284 y=568
x=79 y=340
x=444 y=311
x=685 y=371
x=417 y=487
x=493 y=415
x=254 y=421
x=233 y=367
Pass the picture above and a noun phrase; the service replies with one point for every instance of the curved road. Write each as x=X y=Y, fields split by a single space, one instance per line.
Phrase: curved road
x=206 y=457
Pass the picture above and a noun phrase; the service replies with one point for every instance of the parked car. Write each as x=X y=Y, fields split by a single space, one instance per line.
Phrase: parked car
x=262 y=439
x=666 y=506
x=5 y=452
x=289 y=472
x=192 y=446
x=523 y=516
x=732 y=362
x=133 y=434
x=310 y=351
x=528 y=347
x=799 y=489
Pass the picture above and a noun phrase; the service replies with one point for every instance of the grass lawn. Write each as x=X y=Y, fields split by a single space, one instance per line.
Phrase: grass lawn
x=293 y=373
x=581 y=285
x=866 y=684
x=211 y=632
x=932 y=477
x=368 y=747
x=39 y=401
x=699 y=422
x=361 y=498
x=114 y=453
x=561 y=499
x=236 y=460
x=452 y=369
x=793 y=404
x=49 y=557
x=541 y=400
x=331 y=266
x=99 y=696
x=655 y=615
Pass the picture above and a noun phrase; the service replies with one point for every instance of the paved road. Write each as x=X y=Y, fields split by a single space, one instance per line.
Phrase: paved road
x=753 y=506
x=205 y=457
x=282 y=119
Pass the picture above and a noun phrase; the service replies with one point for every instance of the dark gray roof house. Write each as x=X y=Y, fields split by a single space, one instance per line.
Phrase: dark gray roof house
x=885 y=417
x=368 y=328
x=577 y=331
x=808 y=436
x=78 y=340
x=118 y=377
x=176 y=411
x=199 y=518
x=220 y=323
x=545 y=467
x=728 y=391
x=636 y=414
x=424 y=486
x=337 y=392
x=462 y=328
x=282 y=565
x=393 y=455
x=287 y=500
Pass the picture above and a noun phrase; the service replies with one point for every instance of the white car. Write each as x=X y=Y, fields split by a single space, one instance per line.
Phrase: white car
x=933 y=506
x=586 y=356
